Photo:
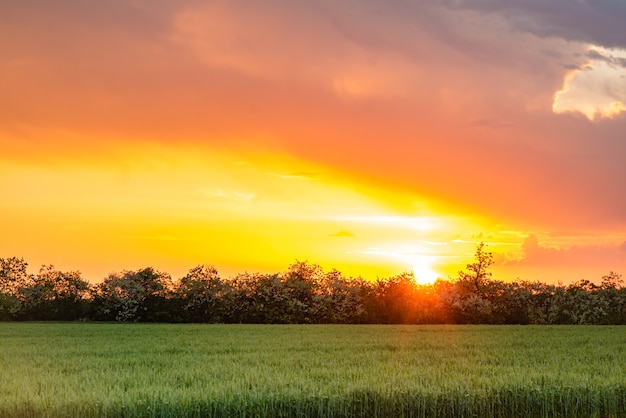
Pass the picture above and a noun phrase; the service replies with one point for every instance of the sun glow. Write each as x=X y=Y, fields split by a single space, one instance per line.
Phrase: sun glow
x=181 y=207
x=423 y=271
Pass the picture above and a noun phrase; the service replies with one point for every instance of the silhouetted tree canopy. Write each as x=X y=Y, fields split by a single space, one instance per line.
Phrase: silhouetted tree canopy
x=305 y=294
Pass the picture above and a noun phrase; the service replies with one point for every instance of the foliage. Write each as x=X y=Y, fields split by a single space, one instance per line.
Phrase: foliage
x=201 y=295
x=55 y=295
x=305 y=294
x=13 y=278
x=140 y=295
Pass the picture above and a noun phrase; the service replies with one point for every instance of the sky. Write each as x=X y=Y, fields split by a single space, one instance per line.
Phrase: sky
x=375 y=137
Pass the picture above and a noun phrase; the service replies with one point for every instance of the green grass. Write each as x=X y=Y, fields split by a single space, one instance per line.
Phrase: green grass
x=158 y=370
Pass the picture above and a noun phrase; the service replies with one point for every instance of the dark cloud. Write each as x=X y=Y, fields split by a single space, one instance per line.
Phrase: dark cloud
x=599 y=22
x=596 y=55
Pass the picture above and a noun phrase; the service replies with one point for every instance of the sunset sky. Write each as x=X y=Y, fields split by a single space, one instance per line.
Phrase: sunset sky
x=371 y=136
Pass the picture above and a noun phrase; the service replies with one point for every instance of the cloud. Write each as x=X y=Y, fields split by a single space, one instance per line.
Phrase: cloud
x=232 y=195
x=598 y=89
x=615 y=58
x=343 y=233
x=282 y=41
x=429 y=98
x=567 y=263
x=300 y=175
x=597 y=22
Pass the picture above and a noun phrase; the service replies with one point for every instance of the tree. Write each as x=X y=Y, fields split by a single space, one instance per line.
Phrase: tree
x=13 y=278
x=303 y=288
x=141 y=295
x=395 y=300
x=614 y=293
x=202 y=295
x=293 y=297
x=584 y=304
x=269 y=300
x=239 y=302
x=342 y=300
x=477 y=275
x=55 y=295
x=470 y=302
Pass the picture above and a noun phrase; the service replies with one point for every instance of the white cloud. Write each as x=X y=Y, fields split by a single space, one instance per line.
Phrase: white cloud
x=233 y=195
x=598 y=89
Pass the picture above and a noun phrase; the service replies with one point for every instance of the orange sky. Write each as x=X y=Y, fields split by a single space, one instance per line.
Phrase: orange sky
x=369 y=136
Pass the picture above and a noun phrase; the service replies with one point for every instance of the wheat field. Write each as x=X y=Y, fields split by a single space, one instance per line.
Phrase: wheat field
x=168 y=370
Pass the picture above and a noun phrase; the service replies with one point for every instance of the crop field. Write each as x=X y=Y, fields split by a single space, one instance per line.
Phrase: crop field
x=158 y=370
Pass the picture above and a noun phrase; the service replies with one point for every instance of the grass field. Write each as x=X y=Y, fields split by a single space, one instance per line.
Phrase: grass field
x=93 y=369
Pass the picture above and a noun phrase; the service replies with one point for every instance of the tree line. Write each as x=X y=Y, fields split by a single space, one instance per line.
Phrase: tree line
x=305 y=294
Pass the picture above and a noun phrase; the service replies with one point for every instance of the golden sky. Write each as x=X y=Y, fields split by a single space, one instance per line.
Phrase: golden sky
x=370 y=136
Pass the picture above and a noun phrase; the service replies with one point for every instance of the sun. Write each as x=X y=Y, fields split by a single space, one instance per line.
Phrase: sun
x=423 y=272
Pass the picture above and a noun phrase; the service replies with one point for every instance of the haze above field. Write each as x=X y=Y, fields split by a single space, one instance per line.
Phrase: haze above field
x=374 y=137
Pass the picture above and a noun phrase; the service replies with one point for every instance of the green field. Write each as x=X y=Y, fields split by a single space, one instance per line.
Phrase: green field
x=91 y=369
